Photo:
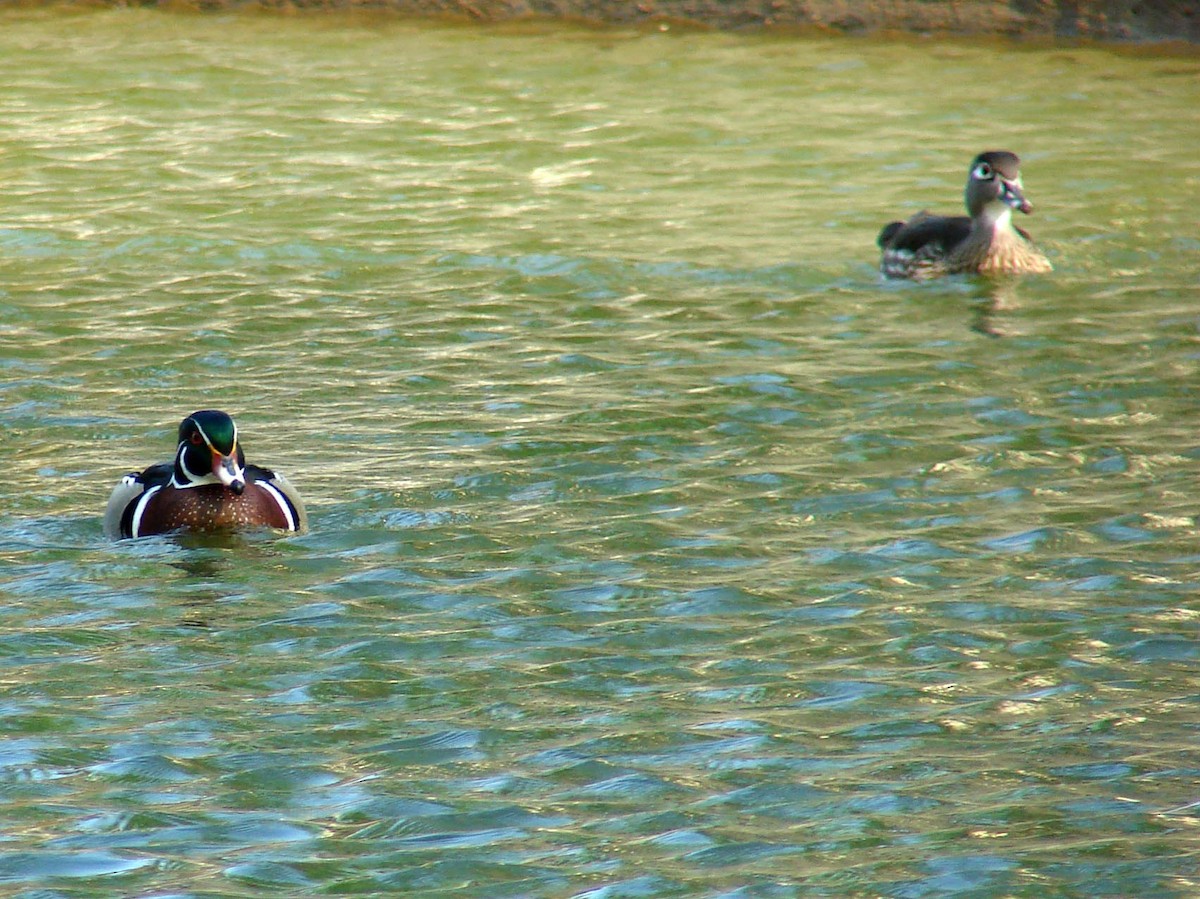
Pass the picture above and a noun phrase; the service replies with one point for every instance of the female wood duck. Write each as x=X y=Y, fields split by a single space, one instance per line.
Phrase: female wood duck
x=987 y=243
x=209 y=487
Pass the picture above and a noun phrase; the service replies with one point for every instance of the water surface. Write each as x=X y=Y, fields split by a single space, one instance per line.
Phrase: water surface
x=658 y=547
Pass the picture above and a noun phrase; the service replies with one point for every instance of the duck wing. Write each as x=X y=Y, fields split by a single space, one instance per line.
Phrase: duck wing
x=127 y=492
x=921 y=242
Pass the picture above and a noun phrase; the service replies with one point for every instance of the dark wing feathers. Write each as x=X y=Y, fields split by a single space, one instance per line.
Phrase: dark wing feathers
x=156 y=475
x=924 y=230
x=258 y=473
x=889 y=231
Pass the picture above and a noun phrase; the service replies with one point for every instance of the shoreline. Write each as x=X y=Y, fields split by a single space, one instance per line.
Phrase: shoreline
x=1102 y=21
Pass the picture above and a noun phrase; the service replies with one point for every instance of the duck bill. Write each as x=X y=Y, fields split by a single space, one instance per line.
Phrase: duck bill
x=228 y=472
x=1012 y=195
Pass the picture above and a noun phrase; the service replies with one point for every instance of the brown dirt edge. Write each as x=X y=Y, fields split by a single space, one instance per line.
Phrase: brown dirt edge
x=1097 y=20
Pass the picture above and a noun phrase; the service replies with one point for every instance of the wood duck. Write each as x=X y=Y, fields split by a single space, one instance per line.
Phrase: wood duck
x=209 y=487
x=987 y=243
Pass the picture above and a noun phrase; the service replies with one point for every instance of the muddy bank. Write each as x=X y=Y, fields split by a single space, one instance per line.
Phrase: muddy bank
x=1101 y=20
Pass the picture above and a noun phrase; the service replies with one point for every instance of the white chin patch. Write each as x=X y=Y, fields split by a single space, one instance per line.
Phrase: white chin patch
x=230 y=476
x=1003 y=216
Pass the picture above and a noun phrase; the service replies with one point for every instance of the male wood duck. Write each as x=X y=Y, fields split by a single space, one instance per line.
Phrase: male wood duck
x=209 y=487
x=987 y=243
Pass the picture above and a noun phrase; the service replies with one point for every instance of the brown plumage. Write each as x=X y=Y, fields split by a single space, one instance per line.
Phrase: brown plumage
x=208 y=487
x=213 y=507
x=986 y=242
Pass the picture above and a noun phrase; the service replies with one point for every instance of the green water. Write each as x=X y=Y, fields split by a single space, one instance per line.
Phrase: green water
x=658 y=548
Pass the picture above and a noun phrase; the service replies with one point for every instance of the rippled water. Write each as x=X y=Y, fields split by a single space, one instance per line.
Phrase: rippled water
x=658 y=547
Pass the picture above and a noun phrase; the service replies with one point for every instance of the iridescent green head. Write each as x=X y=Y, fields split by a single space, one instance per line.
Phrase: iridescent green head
x=209 y=452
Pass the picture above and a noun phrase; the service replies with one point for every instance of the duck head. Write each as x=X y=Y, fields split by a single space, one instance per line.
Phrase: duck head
x=209 y=453
x=994 y=186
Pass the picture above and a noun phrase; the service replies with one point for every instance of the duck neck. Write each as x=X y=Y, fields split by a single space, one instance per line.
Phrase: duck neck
x=184 y=477
x=992 y=221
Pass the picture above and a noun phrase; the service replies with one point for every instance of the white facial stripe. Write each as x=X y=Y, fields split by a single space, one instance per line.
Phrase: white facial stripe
x=209 y=442
x=192 y=477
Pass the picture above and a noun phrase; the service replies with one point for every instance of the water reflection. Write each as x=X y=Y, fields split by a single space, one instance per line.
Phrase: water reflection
x=650 y=531
x=993 y=298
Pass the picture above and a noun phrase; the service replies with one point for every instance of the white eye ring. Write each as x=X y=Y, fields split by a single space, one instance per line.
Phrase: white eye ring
x=983 y=172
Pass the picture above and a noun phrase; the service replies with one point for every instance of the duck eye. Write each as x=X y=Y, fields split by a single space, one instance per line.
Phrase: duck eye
x=195 y=438
x=983 y=171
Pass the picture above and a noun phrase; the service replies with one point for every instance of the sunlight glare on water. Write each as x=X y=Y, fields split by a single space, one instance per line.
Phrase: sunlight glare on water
x=657 y=546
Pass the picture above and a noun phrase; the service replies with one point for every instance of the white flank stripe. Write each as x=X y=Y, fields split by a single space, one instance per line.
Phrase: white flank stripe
x=281 y=501
x=135 y=525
